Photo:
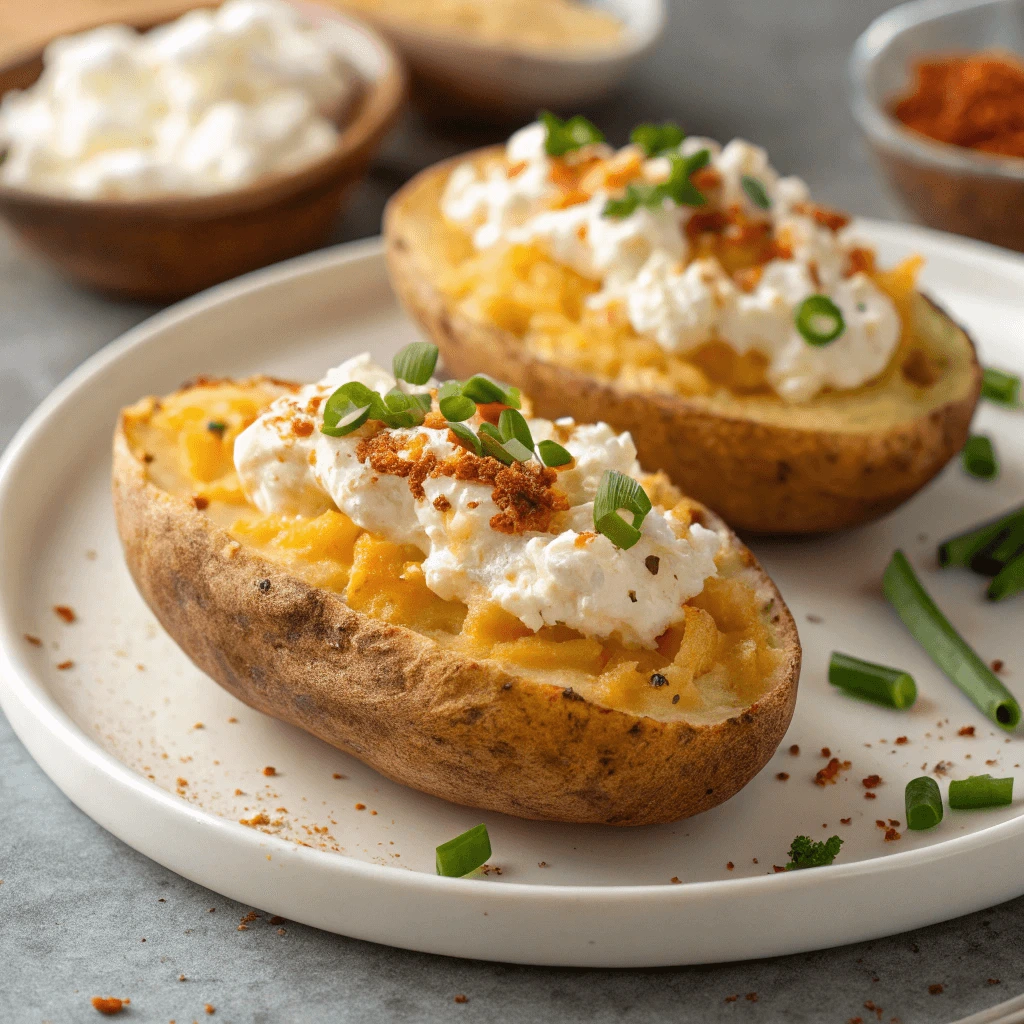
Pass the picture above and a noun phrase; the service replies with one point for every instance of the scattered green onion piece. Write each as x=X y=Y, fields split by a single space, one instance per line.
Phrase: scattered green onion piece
x=1000 y=387
x=994 y=557
x=656 y=138
x=348 y=409
x=804 y=852
x=962 y=548
x=485 y=390
x=756 y=191
x=944 y=644
x=456 y=407
x=565 y=136
x=979 y=457
x=819 y=320
x=404 y=410
x=490 y=430
x=620 y=208
x=518 y=450
x=878 y=683
x=464 y=853
x=553 y=454
x=512 y=424
x=678 y=188
x=980 y=791
x=217 y=427
x=1008 y=582
x=415 y=363
x=466 y=436
x=923 y=802
x=615 y=491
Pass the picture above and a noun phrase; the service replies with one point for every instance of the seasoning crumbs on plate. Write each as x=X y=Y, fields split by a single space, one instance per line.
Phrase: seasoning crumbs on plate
x=65 y=612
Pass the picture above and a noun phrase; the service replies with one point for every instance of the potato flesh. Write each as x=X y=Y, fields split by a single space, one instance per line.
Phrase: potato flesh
x=719 y=658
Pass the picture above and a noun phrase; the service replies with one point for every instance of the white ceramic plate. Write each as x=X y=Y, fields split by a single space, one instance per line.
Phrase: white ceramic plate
x=119 y=729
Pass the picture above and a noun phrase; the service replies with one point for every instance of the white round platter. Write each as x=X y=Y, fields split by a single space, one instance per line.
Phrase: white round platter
x=158 y=754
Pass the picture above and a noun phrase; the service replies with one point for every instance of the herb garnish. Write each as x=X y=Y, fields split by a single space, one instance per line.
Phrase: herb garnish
x=217 y=427
x=679 y=189
x=415 y=363
x=569 y=135
x=804 y=852
x=819 y=320
x=615 y=491
x=464 y=853
x=756 y=192
x=656 y=138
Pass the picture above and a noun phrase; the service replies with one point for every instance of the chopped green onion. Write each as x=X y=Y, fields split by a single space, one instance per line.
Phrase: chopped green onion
x=1000 y=387
x=454 y=405
x=415 y=363
x=615 y=491
x=961 y=549
x=553 y=454
x=405 y=410
x=490 y=430
x=804 y=852
x=678 y=188
x=980 y=457
x=485 y=390
x=923 y=802
x=889 y=686
x=1009 y=581
x=656 y=138
x=348 y=409
x=466 y=436
x=944 y=644
x=217 y=427
x=620 y=208
x=494 y=448
x=819 y=320
x=464 y=853
x=994 y=557
x=756 y=192
x=565 y=136
x=980 y=791
x=512 y=424
x=518 y=450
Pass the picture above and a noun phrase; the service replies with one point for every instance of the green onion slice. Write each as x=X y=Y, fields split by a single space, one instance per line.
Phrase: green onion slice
x=455 y=407
x=945 y=646
x=569 y=135
x=464 y=853
x=756 y=192
x=656 y=138
x=415 y=363
x=980 y=457
x=466 y=436
x=980 y=791
x=514 y=447
x=1000 y=387
x=1009 y=580
x=615 y=491
x=678 y=188
x=878 y=683
x=819 y=320
x=961 y=549
x=994 y=557
x=553 y=454
x=485 y=390
x=512 y=424
x=923 y=802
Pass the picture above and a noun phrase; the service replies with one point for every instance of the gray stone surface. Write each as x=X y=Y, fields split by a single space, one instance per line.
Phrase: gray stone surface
x=81 y=914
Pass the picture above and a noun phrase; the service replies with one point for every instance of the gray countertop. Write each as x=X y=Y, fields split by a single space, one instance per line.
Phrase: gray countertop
x=81 y=914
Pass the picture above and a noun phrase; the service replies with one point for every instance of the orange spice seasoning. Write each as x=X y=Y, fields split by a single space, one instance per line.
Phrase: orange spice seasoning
x=971 y=100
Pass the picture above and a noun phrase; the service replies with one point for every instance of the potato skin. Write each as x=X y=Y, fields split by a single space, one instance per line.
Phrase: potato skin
x=456 y=728
x=761 y=477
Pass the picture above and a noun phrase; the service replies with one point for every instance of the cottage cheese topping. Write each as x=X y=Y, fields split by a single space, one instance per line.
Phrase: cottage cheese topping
x=675 y=296
x=206 y=103
x=569 y=576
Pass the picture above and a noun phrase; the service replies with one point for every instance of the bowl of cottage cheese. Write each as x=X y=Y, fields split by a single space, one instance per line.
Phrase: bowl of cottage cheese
x=155 y=160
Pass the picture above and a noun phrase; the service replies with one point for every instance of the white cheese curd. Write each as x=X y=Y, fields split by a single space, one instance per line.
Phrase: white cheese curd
x=209 y=102
x=641 y=261
x=571 y=576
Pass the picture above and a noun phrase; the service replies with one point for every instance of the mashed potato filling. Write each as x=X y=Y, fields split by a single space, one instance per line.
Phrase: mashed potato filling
x=717 y=656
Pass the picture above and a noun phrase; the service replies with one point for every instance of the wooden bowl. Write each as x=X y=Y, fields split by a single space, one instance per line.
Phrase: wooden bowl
x=165 y=248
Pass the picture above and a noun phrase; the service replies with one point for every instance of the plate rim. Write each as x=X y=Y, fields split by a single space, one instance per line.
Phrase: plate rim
x=17 y=682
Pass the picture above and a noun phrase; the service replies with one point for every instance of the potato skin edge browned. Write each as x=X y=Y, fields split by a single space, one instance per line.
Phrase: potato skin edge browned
x=463 y=730
x=760 y=477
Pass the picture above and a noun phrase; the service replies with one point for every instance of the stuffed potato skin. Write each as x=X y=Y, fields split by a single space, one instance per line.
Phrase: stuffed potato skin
x=460 y=729
x=759 y=473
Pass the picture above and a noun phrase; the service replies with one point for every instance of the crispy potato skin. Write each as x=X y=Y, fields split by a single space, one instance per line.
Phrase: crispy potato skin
x=460 y=729
x=760 y=477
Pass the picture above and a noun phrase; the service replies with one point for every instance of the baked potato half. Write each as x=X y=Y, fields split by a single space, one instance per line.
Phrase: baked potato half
x=320 y=624
x=838 y=460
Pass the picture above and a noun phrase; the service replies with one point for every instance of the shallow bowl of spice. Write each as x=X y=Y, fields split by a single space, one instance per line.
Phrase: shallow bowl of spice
x=938 y=88
x=137 y=204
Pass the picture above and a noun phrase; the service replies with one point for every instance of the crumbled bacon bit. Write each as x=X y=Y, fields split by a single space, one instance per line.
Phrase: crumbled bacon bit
x=794 y=749
x=584 y=538
x=994 y=981
x=652 y=563
x=748 y=278
x=834 y=220
x=997 y=664
x=782 y=776
x=936 y=990
x=302 y=428
x=891 y=835
x=33 y=640
x=942 y=768
x=442 y=504
x=845 y=821
x=527 y=499
x=729 y=866
x=967 y=730
x=209 y=1009
x=472 y=504
x=871 y=782
x=256 y=819
x=182 y=782
x=825 y=752
x=65 y=665
x=900 y=740
x=731 y=999
x=880 y=823
x=460 y=998
x=337 y=775
x=108 y=1005
x=777 y=869
x=270 y=770
x=751 y=997
x=675 y=881
x=827 y=775
x=894 y=823
x=870 y=796
x=200 y=502
x=862 y=261
x=65 y=612
x=360 y=807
